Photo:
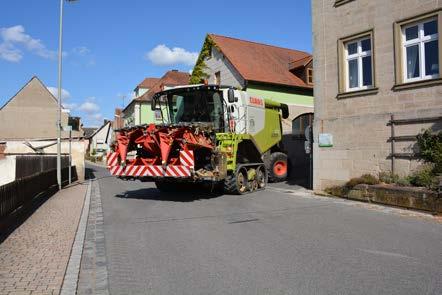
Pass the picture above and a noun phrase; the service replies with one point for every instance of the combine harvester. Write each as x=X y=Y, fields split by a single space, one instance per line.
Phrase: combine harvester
x=210 y=134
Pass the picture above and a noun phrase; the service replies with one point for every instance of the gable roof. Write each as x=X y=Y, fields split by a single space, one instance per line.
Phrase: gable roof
x=148 y=83
x=171 y=78
x=36 y=80
x=261 y=62
x=88 y=131
x=106 y=123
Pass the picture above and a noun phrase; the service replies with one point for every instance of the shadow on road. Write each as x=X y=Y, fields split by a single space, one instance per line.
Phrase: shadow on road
x=91 y=174
x=179 y=196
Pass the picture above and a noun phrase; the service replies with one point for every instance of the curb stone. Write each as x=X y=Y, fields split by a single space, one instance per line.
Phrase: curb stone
x=93 y=278
x=70 y=280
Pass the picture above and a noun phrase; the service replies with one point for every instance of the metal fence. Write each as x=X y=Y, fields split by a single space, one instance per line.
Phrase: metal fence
x=23 y=190
x=408 y=138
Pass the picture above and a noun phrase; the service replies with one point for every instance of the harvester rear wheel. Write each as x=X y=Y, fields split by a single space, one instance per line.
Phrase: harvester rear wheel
x=236 y=183
x=278 y=167
x=261 y=177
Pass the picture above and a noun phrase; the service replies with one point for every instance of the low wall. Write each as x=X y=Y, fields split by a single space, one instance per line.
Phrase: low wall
x=78 y=151
x=16 y=195
x=406 y=197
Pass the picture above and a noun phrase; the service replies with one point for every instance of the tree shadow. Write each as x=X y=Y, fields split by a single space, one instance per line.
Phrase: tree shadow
x=196 y=194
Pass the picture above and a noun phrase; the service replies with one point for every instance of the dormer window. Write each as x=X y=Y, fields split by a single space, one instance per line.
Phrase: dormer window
x=310 y=76
x=303 y=69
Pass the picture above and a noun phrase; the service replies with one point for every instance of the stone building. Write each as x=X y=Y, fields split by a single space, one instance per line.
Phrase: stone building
x=32 y=114
x=373 y=59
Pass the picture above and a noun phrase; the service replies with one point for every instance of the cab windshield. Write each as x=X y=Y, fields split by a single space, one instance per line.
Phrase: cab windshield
x=205 y=106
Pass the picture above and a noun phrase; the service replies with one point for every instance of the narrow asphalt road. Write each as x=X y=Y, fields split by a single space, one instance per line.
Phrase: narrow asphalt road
x=268 y=242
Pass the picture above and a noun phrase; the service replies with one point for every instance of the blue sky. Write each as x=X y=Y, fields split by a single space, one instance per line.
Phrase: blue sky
x=107 y=43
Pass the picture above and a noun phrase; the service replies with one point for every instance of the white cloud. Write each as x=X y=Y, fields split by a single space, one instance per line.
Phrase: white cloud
x=64 y=93
x=89 y=107
x=70 y=106
x=9 y=53
x=16 y=36
x=81 y=50
x=93 y=120
x=162 y=55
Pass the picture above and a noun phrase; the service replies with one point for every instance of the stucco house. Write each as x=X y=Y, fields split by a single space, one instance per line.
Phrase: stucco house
x=32 y=114
x=282 y=74
x=377 y=84
x=139 y=111
x=144 y=86
x=101 y=139
x=28 y=125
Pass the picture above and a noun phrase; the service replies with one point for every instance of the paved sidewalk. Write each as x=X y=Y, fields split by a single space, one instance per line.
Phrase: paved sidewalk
x=34 y=257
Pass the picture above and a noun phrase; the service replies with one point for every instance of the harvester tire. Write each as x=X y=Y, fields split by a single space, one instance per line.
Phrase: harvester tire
x=233 y=183
x=278 y=168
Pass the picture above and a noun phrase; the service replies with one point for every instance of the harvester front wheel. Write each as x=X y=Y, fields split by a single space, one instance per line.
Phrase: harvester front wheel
x=278 y=167
x=236 y=183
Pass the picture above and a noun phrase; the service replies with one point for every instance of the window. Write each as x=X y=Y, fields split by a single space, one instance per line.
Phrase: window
x=358 y=63
x=356 y=70
x=310 y=76
x=418 y=51
x=218 y=78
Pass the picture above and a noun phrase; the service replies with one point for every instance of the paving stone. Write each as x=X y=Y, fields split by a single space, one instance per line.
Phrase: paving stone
x=34 y=257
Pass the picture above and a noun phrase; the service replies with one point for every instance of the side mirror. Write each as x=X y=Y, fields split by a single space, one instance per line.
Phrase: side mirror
x=285 y=111
x=231 y=95
x=153 y=104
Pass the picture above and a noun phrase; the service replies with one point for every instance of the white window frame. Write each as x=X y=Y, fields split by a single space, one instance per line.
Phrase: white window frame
x=358 y=56
x=420 y=40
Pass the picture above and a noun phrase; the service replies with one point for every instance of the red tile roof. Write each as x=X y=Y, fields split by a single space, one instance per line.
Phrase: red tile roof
x=148 y=82
x=171 y=78
x=300 y=63
x=260 y=62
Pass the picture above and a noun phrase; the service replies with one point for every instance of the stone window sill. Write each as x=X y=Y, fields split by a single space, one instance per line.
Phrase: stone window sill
x=364 y=92
x=418 y=84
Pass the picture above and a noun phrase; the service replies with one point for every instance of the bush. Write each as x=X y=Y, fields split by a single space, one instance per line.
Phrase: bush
x=403 y=181
x=387 y=177
x=342 y=191
x=364 y=179
x=430 y=147
x=425 y=177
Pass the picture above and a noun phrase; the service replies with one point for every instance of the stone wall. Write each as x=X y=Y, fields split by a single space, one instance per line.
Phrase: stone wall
x=359 y=124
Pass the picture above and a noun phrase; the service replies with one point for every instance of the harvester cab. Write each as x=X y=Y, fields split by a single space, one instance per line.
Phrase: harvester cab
x=208 y=133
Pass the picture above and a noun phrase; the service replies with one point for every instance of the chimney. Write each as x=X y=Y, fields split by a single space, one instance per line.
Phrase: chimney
x=118 y=119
